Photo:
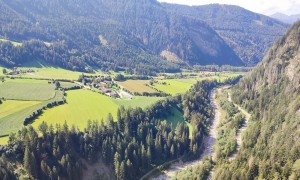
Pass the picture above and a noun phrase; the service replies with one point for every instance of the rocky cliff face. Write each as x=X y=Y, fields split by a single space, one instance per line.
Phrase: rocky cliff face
x=282 y=62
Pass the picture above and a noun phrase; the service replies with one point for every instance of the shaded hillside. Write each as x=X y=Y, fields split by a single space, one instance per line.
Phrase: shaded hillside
x=109 y=34
x=248 y=33
x=272 y=94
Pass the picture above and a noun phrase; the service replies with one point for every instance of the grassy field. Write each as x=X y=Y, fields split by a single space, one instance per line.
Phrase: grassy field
x=3 y=140
x=22 y=89
x=173 y=86
x=17 y=111
x=1 y=71
x=82 y=105
x=136 y=86
x=54 y=73
x=137 y=101
x=67 y=84
x=11 y=106
x=176 y=118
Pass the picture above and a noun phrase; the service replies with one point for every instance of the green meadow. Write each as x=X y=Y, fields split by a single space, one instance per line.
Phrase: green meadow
x=81 y=106
x=177 y=86
x=177 y=117
x=138 y=86
x=67 y=84
x=173 y=86
x=10 y=106
x=23 y=89
x=84 y=105
x=53 y=73
x=25 y=96
x=1 y=71
x=15 y=112
x=3 y=140
x=137 y=101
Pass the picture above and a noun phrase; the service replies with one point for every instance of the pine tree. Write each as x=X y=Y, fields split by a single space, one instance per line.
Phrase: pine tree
x=121 y=123
x=69 y=170
x=27 y=156
x=110 y=121
x=157 y=144
x=149 y=154
x=122 y=170
x=129 y=169
x=117 y=159
x=29 y=162
x=172 y=151
x=44 y=168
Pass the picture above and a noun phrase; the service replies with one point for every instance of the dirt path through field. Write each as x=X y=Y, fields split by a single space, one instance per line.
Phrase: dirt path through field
x=208 y=143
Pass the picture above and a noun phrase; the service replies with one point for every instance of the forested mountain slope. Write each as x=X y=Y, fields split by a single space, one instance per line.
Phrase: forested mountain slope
x=82 y=34
x=271 y=148
x=248 y=33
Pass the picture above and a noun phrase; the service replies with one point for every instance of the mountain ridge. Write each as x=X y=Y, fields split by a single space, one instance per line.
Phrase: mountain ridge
x=135 y=36
x=248 y=33
x=135 y=33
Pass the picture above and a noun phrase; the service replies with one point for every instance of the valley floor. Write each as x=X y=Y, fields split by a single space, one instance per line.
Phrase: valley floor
x=209 y=141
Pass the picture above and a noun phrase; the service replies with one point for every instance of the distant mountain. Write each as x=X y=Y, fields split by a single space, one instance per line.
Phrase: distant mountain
x=140 y=36
x=249 y=34
x=286 y=18
x=271 y=93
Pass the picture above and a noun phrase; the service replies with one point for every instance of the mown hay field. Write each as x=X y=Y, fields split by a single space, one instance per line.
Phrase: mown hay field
x=178 y=86
x=81 y=106
x=54 y=73
x=13 y=112
x=138 y=86
x=23 y=89
x=3 y=140
x=9 y=107
x=173 y=86
x=137 y=101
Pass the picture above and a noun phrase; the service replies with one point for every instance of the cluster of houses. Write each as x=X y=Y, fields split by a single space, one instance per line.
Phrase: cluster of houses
x=104 y=88
x=109 y=92
x=18 y=72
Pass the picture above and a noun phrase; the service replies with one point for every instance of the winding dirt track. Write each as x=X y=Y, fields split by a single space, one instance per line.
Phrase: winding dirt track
x=209 y=142
x=241 y=130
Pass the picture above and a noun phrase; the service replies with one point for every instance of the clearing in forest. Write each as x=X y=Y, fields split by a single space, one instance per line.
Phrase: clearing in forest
x=137 y=101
